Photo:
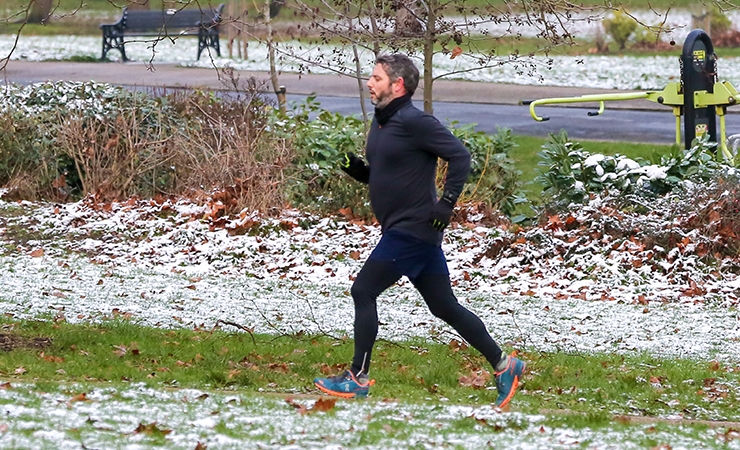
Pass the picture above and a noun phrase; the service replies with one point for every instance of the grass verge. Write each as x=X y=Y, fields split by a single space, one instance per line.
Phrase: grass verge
x=592 y=388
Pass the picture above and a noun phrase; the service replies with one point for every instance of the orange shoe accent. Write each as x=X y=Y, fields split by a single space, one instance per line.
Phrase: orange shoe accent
x=335 y=393
x=514 y=384
x=508 y=398
x=344 y=394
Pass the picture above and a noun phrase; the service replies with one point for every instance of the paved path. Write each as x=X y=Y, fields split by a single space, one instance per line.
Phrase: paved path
x=462 y=101
x=170 y=75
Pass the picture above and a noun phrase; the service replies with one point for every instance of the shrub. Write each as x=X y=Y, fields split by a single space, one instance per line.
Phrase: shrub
x=321 y=137
x=620 y=27
x=572 y=175
x=68 y=140
x=63 y=141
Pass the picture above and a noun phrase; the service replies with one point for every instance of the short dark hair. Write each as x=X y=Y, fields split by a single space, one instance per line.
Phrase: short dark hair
x=398 y=66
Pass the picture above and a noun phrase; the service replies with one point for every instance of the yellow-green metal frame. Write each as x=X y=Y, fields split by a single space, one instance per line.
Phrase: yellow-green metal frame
x=724 y=95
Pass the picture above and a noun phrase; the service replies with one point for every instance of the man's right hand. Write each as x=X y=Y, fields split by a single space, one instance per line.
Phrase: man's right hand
x=355 y=167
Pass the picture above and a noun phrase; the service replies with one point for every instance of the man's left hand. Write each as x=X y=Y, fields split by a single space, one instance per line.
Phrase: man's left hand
x=441 y=214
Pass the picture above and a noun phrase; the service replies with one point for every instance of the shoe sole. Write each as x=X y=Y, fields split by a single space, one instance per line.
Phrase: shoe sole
x=514 y=387
x=338 y=394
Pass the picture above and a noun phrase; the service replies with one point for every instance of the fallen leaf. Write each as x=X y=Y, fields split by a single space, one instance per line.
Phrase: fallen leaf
x=51 y=358
x=151 y=428
x=323 y=404
x=477 y=380
x=301 y=408
x=79 y=398
x=37 y=253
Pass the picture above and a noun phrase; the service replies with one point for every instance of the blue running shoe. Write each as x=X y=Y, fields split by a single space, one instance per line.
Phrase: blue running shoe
x=508 y=380
x=345 y=385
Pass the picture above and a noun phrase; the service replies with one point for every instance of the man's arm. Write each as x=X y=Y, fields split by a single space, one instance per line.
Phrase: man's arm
x=439 y=140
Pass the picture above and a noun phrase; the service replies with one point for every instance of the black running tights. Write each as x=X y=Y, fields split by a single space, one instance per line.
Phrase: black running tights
x=377 y=276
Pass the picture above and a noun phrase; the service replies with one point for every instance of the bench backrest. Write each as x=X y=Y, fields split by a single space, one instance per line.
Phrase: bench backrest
x=139 y=20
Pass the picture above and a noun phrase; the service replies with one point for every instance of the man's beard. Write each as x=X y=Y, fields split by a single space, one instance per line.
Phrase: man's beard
x=382 y=99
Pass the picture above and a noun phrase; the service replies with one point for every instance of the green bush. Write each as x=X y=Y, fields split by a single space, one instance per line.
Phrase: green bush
x=63 y=141
x=620 y=27
x=320 y=138
x=573 y=175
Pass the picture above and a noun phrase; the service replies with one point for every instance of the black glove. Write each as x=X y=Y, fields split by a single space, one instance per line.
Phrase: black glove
x=442 y=212
x=355 y=167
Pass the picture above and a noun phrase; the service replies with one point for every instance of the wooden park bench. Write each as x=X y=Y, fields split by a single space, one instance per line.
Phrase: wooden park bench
x=167 y=23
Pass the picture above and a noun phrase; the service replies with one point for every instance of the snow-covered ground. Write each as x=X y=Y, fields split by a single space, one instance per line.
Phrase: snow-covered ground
x=279 y=274
x=167 y=265
x=120 y=418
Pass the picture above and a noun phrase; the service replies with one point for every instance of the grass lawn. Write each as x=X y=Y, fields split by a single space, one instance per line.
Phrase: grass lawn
x=95 y=369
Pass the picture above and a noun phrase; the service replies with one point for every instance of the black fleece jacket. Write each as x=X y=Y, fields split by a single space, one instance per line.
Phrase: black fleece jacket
x=402 y=158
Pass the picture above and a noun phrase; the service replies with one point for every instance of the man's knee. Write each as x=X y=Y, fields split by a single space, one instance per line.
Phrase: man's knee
x=448 y=310
x=364 y=293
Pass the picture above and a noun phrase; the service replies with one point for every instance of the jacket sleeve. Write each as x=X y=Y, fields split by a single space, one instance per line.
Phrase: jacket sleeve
x=437 y=139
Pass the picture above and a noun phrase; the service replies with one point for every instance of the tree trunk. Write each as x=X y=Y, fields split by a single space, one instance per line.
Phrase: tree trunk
x=429 y=38
x=40 y=11
x=279 y=90
x=373 y=13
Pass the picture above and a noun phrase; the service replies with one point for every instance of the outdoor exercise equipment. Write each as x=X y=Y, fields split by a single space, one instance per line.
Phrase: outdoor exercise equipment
x=698 y=97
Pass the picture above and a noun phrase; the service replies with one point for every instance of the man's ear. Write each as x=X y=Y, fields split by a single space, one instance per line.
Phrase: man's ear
x=400 y=85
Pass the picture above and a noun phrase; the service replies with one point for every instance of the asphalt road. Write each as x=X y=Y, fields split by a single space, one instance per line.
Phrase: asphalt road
x=487 y=104
x=613 y=125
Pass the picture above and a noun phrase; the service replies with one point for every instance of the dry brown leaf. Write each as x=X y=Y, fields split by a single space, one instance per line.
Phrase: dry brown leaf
x=457 y=51
x=79 y=398
x=475 y=380
x=323 y=404
x=301 y=408
x=51 y=358
x=151 y=428
x=37 y=253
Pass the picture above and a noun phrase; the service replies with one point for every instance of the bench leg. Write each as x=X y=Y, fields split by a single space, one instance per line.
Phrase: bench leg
x=112 y=41
x=207 y=39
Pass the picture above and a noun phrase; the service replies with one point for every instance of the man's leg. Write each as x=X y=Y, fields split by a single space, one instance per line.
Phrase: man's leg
x=374 y=278
x=437 y=293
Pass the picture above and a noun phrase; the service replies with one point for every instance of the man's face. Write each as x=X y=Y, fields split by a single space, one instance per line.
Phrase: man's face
x=382 y=91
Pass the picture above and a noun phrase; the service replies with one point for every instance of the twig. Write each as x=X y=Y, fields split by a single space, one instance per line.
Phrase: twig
x=236 y=325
